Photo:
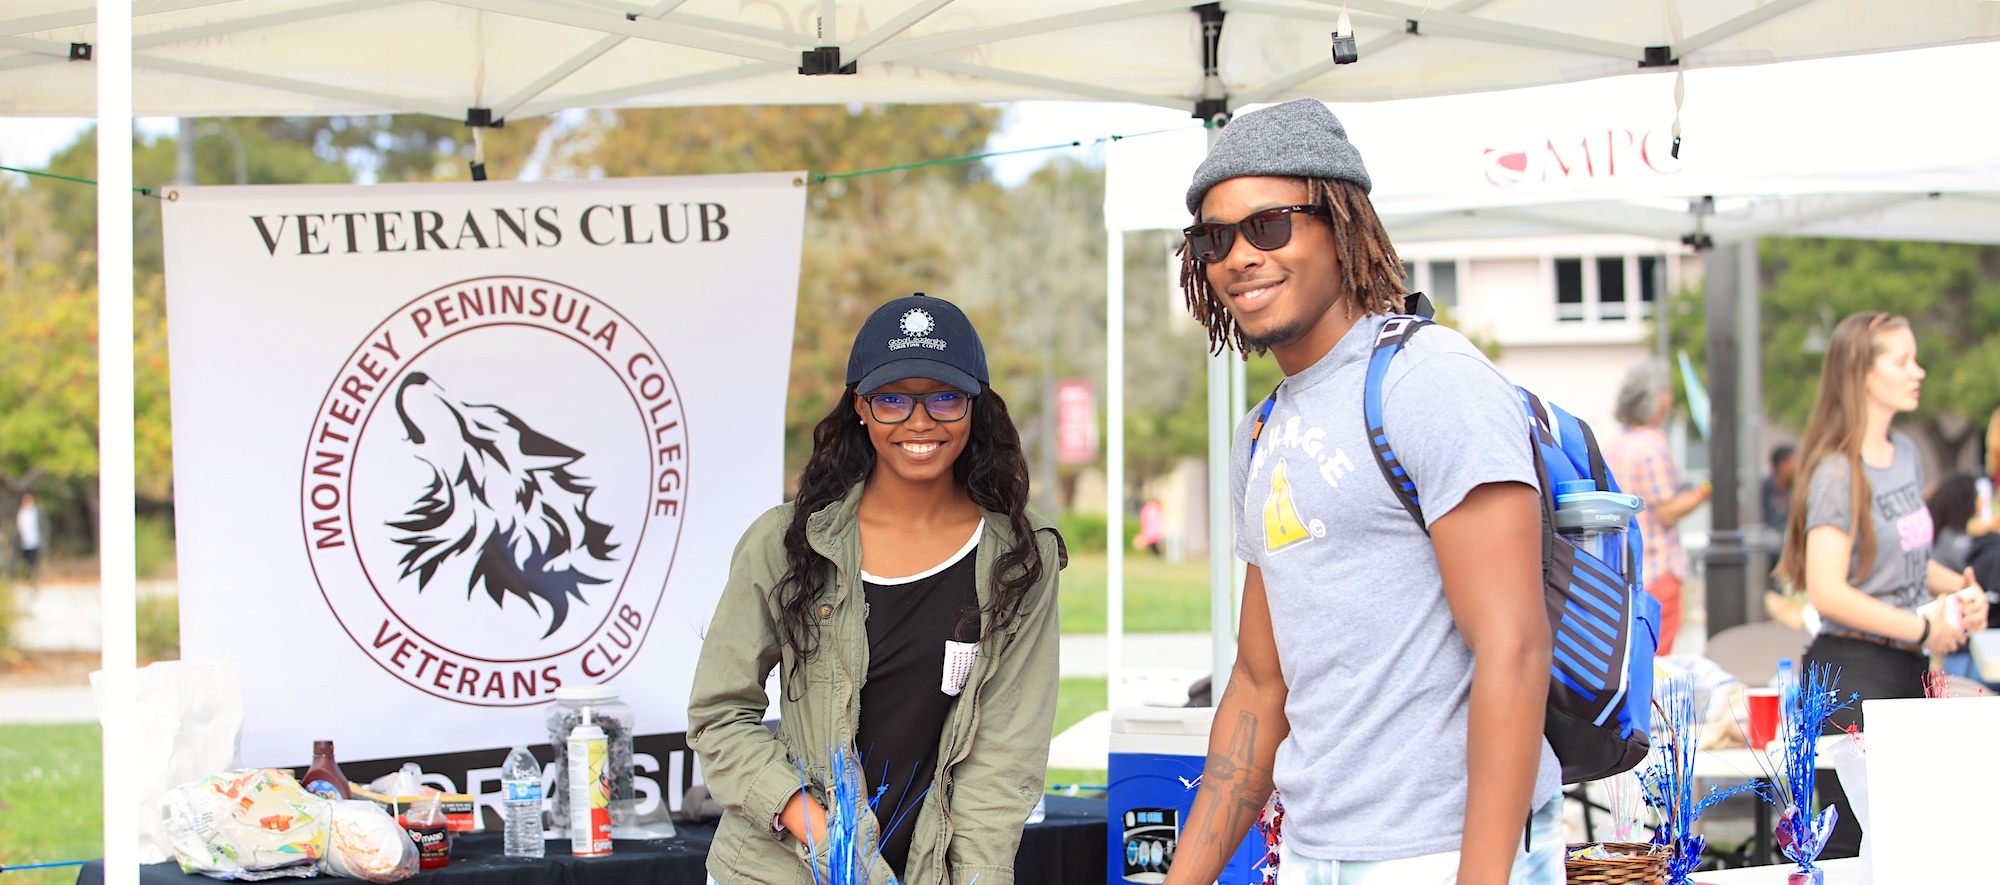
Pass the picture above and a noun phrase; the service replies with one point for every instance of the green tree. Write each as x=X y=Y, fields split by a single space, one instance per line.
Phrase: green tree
x=867 y=239
x=1951 y=294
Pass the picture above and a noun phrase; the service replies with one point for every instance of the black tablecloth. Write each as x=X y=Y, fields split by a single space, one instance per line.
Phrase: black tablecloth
x=1068 y=847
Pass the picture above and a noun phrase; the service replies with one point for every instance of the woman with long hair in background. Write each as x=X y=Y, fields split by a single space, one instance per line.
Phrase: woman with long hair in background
x=907 y=601
x=1859 y=539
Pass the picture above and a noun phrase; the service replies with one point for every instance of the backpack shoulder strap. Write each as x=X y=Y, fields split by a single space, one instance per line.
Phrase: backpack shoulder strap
x=1263 y=416
x=1395 y=333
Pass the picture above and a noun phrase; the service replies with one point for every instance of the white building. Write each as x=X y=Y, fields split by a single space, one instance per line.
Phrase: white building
x=1569 y=313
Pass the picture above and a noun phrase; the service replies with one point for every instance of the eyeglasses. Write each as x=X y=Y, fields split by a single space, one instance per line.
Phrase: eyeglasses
x=1266 y=229
x=943 y=406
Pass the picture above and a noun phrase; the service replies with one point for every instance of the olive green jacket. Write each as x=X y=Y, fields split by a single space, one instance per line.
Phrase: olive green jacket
x=993 y=756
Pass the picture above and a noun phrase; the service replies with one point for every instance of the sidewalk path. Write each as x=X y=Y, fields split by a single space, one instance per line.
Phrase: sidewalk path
x=65 y=616
x=47 y=705
x=1083 y=654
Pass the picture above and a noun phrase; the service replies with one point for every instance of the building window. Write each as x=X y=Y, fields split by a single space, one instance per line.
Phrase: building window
x=1444 y=283
x=1569 y=289
x=1611 y=288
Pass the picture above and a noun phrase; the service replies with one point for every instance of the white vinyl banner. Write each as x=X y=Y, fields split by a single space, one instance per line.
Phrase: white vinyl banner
x=440 y=449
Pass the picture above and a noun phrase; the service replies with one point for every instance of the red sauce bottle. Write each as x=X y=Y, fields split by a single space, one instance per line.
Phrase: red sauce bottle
x=425 y=821
x=324 y=776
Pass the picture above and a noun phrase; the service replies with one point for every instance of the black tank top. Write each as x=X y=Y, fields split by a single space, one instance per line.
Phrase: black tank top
x=903 y=704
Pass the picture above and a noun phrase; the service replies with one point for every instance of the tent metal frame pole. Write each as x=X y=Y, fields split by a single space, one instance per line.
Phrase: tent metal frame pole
x=1225 y=390
x=610 y=96
x=43 y=50
x=1442 y=23
x=657 y=32
x=117 y=683
x=251 y=23
x=977 y=36
x=1053 y=84
x=359 y=96
x=576 y=62
x=1277 y=86
x=89 y=15
x=1222 y=639
x=1736 y=26
x=1114 y=463
x=903 y=21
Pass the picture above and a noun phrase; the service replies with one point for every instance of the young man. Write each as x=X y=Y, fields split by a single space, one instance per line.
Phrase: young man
x=1355 y=691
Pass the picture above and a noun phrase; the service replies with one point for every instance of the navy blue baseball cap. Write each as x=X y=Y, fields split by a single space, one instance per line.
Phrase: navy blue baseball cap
x=917 y=337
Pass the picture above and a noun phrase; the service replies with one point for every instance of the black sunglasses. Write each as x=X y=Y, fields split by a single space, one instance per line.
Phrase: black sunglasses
x=944 y=406
x=1266 y=229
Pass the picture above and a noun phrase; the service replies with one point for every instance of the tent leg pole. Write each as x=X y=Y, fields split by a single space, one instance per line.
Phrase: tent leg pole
x=1114 y=463
x=1222 y=639
x=116 y=683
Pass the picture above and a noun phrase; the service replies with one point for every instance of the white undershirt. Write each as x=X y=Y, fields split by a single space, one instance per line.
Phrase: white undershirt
x=970 y=544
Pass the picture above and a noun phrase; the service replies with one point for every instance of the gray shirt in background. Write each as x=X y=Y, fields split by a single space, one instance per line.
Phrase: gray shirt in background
x=1379 y=679
x=1901 y=522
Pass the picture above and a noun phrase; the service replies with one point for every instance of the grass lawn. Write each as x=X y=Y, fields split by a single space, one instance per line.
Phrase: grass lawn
x=1077 y=698
x=1160 y=597
x=51 y=799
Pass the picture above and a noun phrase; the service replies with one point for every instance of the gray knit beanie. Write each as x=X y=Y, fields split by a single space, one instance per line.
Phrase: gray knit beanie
x=1298 y=139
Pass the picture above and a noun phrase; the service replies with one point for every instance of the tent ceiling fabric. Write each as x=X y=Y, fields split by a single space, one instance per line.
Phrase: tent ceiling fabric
x=528 y=57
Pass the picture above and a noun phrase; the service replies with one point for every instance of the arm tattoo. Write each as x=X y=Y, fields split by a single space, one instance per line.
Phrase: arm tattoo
x=1238 y=788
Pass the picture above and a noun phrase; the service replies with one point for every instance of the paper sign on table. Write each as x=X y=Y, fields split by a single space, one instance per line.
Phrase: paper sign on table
x=1920 y=800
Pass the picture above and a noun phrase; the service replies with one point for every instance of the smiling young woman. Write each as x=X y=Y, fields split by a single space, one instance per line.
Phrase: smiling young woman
x=907 y=599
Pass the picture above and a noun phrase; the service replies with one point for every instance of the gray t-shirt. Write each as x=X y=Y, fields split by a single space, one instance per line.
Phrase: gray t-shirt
x=1379 y=679
x=1902 y=524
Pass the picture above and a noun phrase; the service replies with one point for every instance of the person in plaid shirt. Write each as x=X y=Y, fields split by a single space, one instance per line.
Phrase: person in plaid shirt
x=1639 y=456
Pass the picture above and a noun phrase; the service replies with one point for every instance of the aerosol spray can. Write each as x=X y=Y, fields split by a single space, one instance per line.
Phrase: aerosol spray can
x=589 y=790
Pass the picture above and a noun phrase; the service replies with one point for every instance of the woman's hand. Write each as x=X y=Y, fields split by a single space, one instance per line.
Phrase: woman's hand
x=1944 y=638
x=804 y=819
x=1973 y=597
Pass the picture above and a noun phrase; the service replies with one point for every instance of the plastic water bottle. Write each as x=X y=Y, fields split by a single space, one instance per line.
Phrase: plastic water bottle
x=521 y=787
x=1596 y=521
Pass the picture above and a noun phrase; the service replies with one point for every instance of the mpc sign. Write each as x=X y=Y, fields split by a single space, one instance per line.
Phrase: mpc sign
x=443 y=449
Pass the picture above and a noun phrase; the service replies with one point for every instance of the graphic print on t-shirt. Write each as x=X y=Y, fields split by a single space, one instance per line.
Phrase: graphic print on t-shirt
x=1282 y=526
x=1904 y=508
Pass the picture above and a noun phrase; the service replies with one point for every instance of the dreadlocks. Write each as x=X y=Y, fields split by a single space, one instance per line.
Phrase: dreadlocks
x=1370 y=272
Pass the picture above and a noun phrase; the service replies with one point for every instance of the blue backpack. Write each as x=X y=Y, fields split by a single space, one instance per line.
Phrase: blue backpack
x=1605 y=626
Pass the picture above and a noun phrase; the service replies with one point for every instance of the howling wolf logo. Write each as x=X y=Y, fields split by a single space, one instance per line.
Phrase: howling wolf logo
x=502 y=494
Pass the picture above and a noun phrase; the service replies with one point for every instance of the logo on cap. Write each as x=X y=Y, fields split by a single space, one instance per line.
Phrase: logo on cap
x=917 y=322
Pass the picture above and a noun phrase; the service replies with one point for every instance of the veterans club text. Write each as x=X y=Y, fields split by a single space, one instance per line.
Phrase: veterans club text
x=521 y=227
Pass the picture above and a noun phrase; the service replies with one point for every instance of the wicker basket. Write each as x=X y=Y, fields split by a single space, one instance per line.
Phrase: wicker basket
x=1648 y=866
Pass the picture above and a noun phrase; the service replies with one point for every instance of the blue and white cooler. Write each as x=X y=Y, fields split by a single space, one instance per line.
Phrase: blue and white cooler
x=1156 y=756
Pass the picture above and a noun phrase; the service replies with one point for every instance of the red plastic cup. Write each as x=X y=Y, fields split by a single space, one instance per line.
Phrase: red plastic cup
x=1764 y=707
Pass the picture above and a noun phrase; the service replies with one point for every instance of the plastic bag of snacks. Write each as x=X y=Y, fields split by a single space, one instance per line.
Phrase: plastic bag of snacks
x=247 y=824
x=366 y=843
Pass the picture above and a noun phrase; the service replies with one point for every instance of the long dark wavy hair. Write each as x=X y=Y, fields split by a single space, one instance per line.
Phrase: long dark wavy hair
x=992 y=469
x=1369 y=269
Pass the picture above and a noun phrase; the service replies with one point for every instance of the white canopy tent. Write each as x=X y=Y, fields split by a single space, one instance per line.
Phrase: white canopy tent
x=528 y=57
x=486 y=60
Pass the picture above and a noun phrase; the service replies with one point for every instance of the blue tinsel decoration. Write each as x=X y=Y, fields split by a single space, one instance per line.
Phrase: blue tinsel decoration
x=1801 y=835
x=1668 y=779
